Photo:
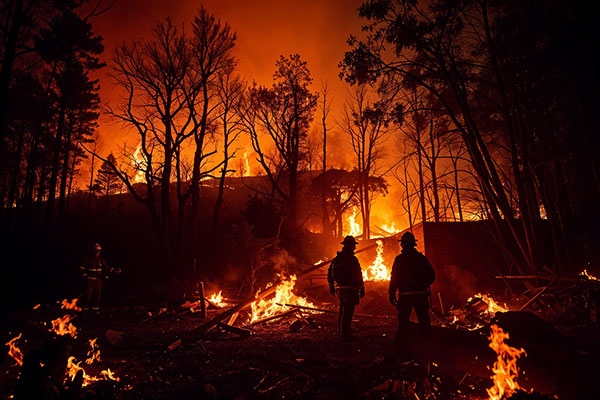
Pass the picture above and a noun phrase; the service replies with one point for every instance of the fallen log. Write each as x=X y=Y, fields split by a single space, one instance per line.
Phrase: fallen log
x=234 y=329
x=266 y=292
x=273 y=317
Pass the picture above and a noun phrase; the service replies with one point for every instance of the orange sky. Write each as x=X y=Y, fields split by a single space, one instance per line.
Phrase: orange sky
x=266 y=29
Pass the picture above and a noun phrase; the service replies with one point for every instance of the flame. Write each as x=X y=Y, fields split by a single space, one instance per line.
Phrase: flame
x=265 y=308
x=390 y=228
x=14 y=351
x=505 y=368
x=590 y=277
x=94 y=353
x=62 y=326
x=139 y=164
x=70 y=305
x=377 y=271
x=246 y=167
x=217 y=299
x=36 y=306
x=353 y=227
x=73 y=367
x=493 y=306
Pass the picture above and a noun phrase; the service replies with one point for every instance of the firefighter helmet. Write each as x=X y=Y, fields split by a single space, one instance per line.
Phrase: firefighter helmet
x=349 y=240
x=408 y=239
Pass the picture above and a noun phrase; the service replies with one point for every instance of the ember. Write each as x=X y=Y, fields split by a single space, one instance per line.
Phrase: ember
x=14 y=351
x=590 y=277
x=505 y=368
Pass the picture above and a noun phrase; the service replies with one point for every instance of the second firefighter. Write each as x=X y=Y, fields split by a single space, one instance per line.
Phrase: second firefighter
x=345 y=279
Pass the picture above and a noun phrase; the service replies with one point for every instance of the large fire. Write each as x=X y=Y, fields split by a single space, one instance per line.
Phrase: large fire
x=273 y=305
x=505 y=368
x=14 y=351
x=377 y=271
x=63 y=326
x=352 y=227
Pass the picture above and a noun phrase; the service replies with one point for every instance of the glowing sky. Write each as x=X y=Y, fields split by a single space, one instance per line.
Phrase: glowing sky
x=266 y=29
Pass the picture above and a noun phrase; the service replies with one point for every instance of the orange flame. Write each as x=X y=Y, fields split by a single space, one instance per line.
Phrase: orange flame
x=352 y=227
x=14 y=351
x=73 y=367
x=217 y=299
x=62 y=326
x=590 y=277
x=493 y=306
x=94 y=353
x=36 y=306
x=70 y=305
x=505 y=368
x=265 y=308
x=377 y=271
x=139 y=164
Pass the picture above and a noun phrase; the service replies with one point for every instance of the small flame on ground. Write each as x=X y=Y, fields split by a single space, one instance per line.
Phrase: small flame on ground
x=217 y=299
x=62 y=326
x=70 y=305
x=505 y=368
x=14 y=351
x=36 y=306
x=587 y=275
x=73 y=367
x=493 y=306
x=377 y=271
x=265 y=308
x=94 y=353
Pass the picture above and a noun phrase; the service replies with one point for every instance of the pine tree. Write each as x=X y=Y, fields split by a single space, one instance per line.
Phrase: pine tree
x=107 y=182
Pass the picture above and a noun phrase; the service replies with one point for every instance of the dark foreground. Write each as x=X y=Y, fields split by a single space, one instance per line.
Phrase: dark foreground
x=163 y=357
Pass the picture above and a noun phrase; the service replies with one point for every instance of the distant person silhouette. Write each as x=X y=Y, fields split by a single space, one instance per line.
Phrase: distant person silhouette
x=95 y=270
x=412 y=274
x=345 y=280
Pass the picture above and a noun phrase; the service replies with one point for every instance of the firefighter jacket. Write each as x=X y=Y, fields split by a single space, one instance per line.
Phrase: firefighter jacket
x=95 y=267
x=345 y=272
x=412 y=273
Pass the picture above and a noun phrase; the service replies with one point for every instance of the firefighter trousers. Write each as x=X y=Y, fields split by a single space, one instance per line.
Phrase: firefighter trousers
x=405 y=305
x=348 y=299
x=91 y=297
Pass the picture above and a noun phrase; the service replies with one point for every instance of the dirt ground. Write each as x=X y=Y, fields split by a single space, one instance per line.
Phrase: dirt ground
x=291 y=358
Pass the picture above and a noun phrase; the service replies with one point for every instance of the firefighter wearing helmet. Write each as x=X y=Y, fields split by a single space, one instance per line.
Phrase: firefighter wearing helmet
x=94 y=271
x=345 y=280
x=412 y=274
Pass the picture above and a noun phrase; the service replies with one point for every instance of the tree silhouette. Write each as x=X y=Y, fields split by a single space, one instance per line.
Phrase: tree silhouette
x=107 y=182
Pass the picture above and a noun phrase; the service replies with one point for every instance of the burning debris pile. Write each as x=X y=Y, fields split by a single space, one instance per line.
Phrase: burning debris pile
x=45 y=362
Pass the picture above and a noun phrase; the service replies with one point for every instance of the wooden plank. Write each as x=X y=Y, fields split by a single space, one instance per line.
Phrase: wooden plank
x=234 y=329
x=274 y=317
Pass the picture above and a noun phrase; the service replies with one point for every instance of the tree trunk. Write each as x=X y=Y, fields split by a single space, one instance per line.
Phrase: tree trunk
x=55 y=165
